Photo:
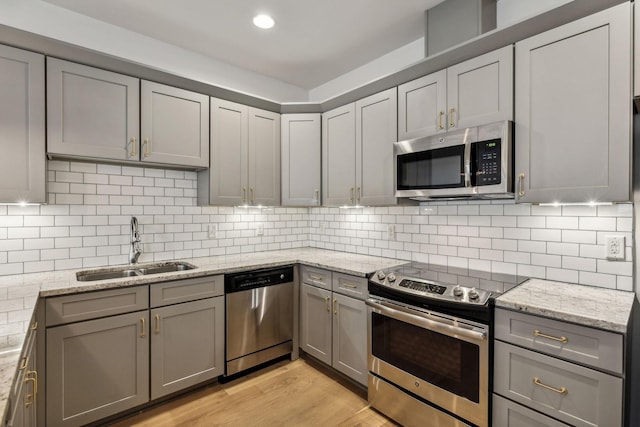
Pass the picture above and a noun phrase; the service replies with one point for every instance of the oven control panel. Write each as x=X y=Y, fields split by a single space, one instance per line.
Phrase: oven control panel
x=414 y=286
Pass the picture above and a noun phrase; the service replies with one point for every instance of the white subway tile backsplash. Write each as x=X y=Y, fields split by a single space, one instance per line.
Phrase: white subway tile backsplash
x=86 y=225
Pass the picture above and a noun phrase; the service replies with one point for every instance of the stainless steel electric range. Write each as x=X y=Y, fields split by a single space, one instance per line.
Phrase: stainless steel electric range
x=429 y=343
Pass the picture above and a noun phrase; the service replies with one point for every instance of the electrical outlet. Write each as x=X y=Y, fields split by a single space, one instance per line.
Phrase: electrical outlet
x=391 y=232
x=212 y=231
x=260 y=230
x=614 y=247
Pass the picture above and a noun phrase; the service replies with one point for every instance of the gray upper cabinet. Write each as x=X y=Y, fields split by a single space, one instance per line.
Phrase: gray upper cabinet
x=174 y=125
x=636 y=52
x=78 y=125
x=474 y=92
x=339 y=156
x=357 y=151
x=376 y=131
x=301 y=159
x=264 y=157
x=573 y=115
x=245 y=157
x=225 y=183
x=22 y=126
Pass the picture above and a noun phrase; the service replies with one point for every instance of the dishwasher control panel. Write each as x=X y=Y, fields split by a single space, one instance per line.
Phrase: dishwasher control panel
x=236 y=282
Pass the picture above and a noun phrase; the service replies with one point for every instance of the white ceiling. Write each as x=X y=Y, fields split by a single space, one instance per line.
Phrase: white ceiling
x=314 y=41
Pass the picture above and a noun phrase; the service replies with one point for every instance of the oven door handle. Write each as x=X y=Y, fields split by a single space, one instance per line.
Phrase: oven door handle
x=425 y=321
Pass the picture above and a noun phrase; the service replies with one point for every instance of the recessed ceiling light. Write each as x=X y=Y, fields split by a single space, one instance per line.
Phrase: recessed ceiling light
x=263 y=21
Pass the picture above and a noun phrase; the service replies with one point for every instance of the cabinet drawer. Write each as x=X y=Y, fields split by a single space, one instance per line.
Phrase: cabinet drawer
x=509 y=414
x=574 y=394
x=186 y=290
x=588 y=346
x=350 y=285
x=315 y=276
x=91 y=305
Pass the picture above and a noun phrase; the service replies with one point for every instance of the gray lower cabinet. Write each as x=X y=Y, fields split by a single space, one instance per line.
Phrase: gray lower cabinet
x=186 y=345
x=112 y=350
x=564 y=112
x=548 y=372
x=23 y=399
x=333 y=327
x=22 y=126
x=97 y=368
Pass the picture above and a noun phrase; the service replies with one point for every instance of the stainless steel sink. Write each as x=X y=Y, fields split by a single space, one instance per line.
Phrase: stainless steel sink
x=118 y=273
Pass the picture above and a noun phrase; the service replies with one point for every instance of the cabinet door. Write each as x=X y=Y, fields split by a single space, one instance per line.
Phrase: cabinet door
x=174 y=125
x=96 y=368
x=350 y=337
x=22 y=399
x=22 y=165
x=229 y=153
x=187 y=345
x=339 y=156
x=480 y=91
x=315 y=322
x=422 y=105
x=300 y=159
x=264 y=157
x=79 y=125
x=573 y=111
x=376 y=131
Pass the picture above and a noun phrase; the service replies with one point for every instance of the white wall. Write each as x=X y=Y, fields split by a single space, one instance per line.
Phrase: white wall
x=509 y=12
x=380 y=67
x=61 y=24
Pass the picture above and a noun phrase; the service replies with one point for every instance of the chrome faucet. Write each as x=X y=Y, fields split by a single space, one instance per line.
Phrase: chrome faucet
x=135 y=249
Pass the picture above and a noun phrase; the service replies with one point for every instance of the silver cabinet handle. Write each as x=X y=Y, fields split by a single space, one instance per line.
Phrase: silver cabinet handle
x=317 y=196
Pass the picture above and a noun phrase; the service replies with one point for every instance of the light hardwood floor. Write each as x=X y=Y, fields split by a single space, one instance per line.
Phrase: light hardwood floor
x=298 y=393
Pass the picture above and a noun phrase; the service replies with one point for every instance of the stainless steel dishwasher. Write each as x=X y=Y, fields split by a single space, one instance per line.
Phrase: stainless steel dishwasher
x=259 y=317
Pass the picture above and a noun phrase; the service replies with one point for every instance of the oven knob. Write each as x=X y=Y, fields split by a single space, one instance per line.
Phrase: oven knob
x=381 y=275
x=473 y=294
x=457 y=291
x=391 y=277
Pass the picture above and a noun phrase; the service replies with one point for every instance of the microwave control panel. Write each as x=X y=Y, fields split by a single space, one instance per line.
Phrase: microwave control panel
x=486 y=158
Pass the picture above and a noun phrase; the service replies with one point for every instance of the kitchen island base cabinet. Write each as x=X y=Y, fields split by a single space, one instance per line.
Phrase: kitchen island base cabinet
x=333 y=327
x=97 y=368
x=185 y=347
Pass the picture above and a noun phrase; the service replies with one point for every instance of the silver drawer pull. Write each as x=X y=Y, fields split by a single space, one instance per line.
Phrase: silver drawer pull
x=563 y=340
x=561 y=390
x=349 y=285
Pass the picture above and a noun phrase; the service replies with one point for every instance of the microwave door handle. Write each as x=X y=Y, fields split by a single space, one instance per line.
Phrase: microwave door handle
x=467 y=164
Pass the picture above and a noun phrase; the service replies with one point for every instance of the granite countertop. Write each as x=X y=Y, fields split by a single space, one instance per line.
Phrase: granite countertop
x=601 y=308
x=64 y=282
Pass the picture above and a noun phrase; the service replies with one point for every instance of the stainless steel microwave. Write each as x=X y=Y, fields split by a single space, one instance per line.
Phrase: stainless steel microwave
x=473 y=163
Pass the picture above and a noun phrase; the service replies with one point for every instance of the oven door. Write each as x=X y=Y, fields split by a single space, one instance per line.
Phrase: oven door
x=440 y=358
